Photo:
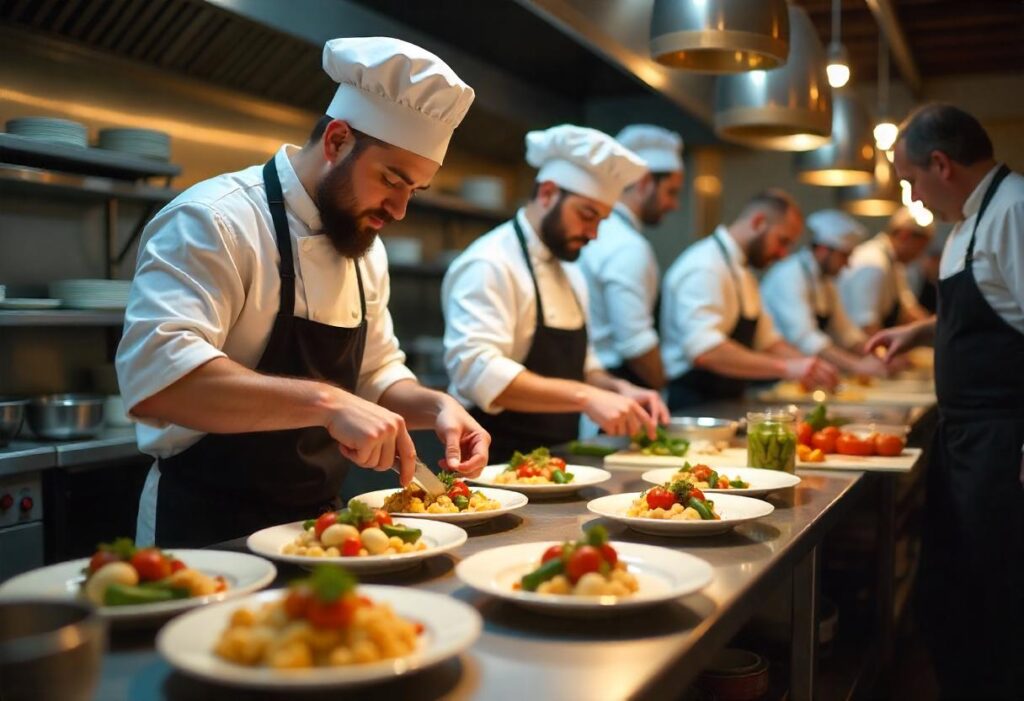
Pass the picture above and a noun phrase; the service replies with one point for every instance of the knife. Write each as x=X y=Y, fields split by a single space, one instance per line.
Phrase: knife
x=425 y=478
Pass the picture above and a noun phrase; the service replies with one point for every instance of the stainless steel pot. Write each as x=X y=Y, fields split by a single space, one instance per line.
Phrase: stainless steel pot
x=49 y=650
x=12 y=413
x=66 y=416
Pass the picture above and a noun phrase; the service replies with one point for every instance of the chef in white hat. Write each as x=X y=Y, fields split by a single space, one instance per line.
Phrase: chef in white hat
x=620 y=267
x=258 y=353
x=874 y=286
x=800 y=294
x=516 y=343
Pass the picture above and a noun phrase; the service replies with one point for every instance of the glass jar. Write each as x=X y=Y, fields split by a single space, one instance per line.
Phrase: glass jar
x=771 y=439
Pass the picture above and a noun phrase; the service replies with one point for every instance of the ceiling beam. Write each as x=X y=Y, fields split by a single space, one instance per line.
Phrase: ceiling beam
x=885 y=13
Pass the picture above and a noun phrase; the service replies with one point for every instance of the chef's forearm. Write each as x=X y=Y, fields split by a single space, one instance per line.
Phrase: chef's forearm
x=415 y=403
x=649 y=368
x=535 y=393
x=222 y=396
x=734 y=360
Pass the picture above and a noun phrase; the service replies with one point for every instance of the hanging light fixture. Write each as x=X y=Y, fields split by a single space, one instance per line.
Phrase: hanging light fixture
x=879 y=198
x=838 y=68
x=785 y=109
x=921 y=214
x=885 y=130
x=849 y=157
x=720 y=36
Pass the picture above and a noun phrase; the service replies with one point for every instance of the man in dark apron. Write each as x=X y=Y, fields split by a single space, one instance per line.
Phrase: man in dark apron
x=516 y=337
x=258 y=347
x=801 y=296
x=620 y=266
x=714 y=337
x=971 y=582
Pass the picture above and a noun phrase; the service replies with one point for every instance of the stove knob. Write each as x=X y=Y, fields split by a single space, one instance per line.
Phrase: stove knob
x=26 y=504
x=6 y=502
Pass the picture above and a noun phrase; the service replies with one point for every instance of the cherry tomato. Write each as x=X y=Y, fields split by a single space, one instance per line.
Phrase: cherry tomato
x=701 y=472
x=556 y=463
x=151 y=565
x=804 y=433
x=527 y=470
x=100 y=558
x=297 y=602
x=337 y=614
x=825 y=442
x=177 y=566
x=831 y=431
x=660 y=498
x=458 y=489
x=609 y=554
x=849 y=444
x=584 y=559
x=888 y=445
x=551 y=553
x=697 y=494
x=326 y=520
x=723 y=483
x=380 y=518
x=351 y=546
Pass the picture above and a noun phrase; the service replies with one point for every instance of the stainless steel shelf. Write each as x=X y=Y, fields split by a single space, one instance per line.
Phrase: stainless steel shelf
x=77 y=159
x=60 y=317
x=22 y=179
x=28 y=454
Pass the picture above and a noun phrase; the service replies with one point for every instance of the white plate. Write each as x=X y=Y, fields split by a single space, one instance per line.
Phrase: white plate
x=761 y=481
x=29 y=303
x=244 y=574
x=583 y=476
x=450 y=627
x=439 y=538
x=663 y=575
x=734 y=510
x=510 y=501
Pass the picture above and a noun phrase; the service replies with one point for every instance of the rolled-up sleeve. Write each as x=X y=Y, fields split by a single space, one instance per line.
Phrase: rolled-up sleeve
x=700 y=308
x=861 y=289
x=790 y=304
x=626 y=299
x=480 y=318
x=847 y=333
x=383 y=359
x=186 y=294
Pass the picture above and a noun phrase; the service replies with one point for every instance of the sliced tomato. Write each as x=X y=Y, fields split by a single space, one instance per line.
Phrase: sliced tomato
x=458 y=489
x=660 y=498
x=698 y=495
x=351 y=546
x=583 y=560
x=702 y=473
x=380 y=518
x=151 y=564
x=527 y=469
x=551 y=553
x=326 y=520
x=609 y=554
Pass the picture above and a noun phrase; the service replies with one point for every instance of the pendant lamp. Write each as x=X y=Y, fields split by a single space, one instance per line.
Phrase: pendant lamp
x=879 y=198
x=838 y=67
x=849 y=156
x=720 y=36
x=784 y=109
x=885 y=130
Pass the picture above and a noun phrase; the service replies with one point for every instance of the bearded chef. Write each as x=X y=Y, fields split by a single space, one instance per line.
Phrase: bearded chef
x=258 y=352
x=620 y=267
x=516 y=343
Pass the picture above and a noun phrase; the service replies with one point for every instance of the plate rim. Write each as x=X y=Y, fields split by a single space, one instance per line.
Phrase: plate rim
x=602 y=475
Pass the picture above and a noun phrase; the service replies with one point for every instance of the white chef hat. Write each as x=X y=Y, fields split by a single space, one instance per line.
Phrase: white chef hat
x=660 y=148
x=585 y=161
x=396 y=92
x=902 y=218
x=835 y=229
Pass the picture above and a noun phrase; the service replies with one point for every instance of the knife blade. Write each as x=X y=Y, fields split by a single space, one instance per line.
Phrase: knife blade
x=425 y=478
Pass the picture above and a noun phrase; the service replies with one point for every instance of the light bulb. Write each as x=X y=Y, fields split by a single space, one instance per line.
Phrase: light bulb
x=838 y=68
x=885 y=135
x=921 y=214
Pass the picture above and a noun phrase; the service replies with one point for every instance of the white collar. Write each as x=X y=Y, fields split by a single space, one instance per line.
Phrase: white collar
x=537 y=248
x=811 y=262
x=883 y=240
x=973 y=202
x=295 y=195
x=736 y=254
x=624 y=209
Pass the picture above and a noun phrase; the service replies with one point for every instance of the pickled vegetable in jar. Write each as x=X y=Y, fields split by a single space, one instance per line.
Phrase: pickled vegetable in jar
x=771 y=439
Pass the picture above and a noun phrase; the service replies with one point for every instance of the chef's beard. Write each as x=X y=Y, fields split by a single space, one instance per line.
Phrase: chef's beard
x=555 y=236
x=756 y=254
x=650 y=212
x=339 y=219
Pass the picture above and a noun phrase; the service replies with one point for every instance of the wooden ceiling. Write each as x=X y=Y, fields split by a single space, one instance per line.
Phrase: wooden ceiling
x=945 y=37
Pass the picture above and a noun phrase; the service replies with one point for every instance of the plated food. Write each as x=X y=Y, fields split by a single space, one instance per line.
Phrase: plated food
x=495 y=502
x=355 y=531
x=677 y=500
x=536 y=467
x=758 y=482
x=458 y=499
x=704 y=477
x=633 y=510
x=539 y=486
x=586 y=567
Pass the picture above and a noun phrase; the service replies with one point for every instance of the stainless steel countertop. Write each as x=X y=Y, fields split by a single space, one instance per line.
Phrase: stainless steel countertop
x=653 y=653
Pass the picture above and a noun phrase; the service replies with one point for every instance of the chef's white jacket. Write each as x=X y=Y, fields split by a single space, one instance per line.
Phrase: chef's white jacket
x=622 y=282
x=873 y=281
x=795 y=291
x=207 y=286
x=700 y=304
x=998 y=247
x=490 y=311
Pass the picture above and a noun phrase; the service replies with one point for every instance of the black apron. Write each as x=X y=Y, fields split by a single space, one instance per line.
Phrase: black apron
x=229 y=485
x=892 y=317
x=624 y=371
x=972 y=568
x=823 y=320
x=700 y=386
x=560 y=353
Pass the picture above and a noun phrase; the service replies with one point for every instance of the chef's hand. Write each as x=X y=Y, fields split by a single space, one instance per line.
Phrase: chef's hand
x=466 y=444
x=370 y=436
x=870 y=366
x=616 y=414
x=899 y=339
x=649 y=399
x=812 y=372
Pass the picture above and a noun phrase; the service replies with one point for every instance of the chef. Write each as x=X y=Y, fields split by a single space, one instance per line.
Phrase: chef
x=258 y=352
x=801 y=296
x=619 y=266
x=714 y=337
x=874 y=286
x=515 y=339
x=972 y=561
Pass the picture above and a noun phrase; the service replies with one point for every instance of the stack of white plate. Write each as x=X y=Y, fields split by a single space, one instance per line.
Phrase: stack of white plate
x=141 y=142
x=92 y=294
x=61 y=131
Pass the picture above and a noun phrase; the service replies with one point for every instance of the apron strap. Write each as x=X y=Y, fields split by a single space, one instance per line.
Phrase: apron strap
x=286 y=269
x=813 y=283
x=533 y=277
x=732 y=273
x=989 y=194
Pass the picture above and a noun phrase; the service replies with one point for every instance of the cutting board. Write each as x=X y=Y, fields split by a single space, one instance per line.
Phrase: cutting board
x=737 y=457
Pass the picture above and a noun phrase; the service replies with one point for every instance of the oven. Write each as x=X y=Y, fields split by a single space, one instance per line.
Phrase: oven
x=22 y=546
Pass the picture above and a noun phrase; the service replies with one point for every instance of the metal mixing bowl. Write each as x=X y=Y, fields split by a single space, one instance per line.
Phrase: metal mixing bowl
x=66 y=416
x=49 y=650
x=12 y=412
x=701 y=428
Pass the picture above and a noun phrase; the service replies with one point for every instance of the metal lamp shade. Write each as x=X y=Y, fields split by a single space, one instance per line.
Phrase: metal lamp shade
x=879 y=198
x=849 y=156
x=785 y=109
x=720 y=36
